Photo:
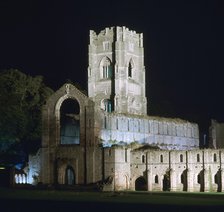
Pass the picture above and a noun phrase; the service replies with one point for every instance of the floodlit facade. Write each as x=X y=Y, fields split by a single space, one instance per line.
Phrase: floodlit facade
x=107 y=138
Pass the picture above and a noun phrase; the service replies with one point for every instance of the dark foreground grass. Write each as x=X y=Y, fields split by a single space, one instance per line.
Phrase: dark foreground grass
x=55 y=200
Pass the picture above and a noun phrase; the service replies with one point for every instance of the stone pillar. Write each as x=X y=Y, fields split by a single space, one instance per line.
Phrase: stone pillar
x=206 y=180
x=222 y=180
x=173 y=180
x=149 y=180
x=190 y=181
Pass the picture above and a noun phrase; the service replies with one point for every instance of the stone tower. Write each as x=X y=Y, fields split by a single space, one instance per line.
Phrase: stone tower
x=116 y=72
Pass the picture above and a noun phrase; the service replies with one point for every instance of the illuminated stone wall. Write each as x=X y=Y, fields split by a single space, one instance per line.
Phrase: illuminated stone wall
x=116 y=70
x=185 y=170
x=57 y=156
x=33 y=168
x=165 y=133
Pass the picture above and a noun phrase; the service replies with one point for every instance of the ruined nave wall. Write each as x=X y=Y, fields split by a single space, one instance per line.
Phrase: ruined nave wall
x=165 y=133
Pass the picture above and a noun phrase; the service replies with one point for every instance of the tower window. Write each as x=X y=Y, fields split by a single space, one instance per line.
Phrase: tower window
x=107 y=105
x=130 y=68
x=106 y=68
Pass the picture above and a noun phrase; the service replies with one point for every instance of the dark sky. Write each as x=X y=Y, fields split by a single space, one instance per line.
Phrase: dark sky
x=183 y=40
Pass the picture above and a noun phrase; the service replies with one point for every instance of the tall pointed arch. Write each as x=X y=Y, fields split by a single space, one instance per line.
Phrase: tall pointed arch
x=130 y=68
x=70 y=122
x=105 y=68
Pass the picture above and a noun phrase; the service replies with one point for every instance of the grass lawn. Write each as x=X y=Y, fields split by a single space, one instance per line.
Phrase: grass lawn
x=110 y=200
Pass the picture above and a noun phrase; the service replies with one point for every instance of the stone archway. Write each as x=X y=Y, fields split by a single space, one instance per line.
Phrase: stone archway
x=166 y=182
x=140 y=184
x=201 y=180
x=217 y=179
x=184 y=179
x=70 y=122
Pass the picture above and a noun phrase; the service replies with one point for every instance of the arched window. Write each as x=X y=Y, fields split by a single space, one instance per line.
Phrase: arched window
x=215 y=158
x=156 y=179
x=199 y=178
x=126 y=155
x=107 y=104
x=198 y=158
x=161 y=158
x=216 y=180
x=143 y=158
x=106 y=68
x=181 y=158
x=182 y=178
x=130 y=68
x=69 y=122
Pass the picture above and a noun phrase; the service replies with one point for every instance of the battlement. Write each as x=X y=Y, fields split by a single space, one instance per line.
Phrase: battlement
x=119 y=33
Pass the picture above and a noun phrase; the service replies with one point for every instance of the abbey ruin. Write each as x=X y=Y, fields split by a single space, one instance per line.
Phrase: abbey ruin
x=107 y=136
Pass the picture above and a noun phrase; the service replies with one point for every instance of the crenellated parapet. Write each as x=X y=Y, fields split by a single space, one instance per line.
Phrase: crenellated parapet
x=119 y=33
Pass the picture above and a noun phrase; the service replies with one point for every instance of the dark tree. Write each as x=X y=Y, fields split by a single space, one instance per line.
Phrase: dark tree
x=21 y=100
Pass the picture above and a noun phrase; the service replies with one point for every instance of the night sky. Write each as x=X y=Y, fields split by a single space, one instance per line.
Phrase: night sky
x=183 y=43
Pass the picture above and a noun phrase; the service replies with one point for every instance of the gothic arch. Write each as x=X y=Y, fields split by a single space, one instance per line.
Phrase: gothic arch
x=166 y=181
x=217 y=180
x=105 y=68
x=201 y=180
x=66 y=93
x=60 y=102
x=69 y=175
x=106 y=105
x=156 y=179
x=70 y=122
x=66 y=173
x=183 y=179
x=141 y=184
x=130 y=66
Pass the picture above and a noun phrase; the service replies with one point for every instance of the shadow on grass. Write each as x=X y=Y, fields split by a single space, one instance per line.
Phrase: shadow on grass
x=15 y=205
x=56 y=200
